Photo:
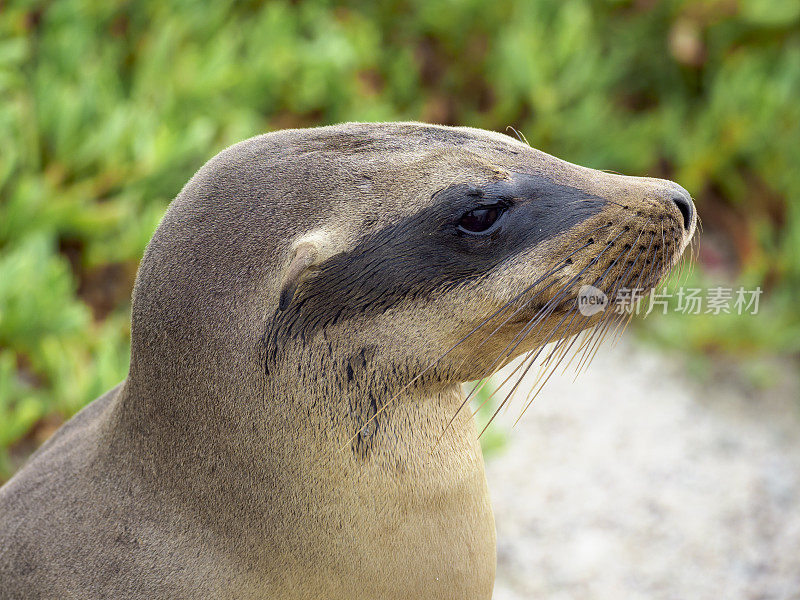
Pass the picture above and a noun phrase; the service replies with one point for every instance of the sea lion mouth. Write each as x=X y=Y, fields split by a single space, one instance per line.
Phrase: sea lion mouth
x=541 y=310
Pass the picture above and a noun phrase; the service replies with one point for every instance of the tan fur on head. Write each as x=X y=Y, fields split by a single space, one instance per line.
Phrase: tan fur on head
x=302 y=322
x=307 y=252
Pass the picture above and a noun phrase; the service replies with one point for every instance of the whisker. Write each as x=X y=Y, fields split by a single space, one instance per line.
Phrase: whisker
x=520 y=136
x=563 y=263
x=618 y=334
x=486 y=374
x=538 y=319
x=586 y=345
x=607 y=320
x=547 y=372
x=530 y=363
x=622 y=278
x=591 y=344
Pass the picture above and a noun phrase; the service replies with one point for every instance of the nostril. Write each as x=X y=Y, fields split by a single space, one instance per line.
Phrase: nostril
x=684 y=204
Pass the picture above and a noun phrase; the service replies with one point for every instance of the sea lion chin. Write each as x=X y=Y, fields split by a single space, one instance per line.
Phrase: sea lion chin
x=302 y=321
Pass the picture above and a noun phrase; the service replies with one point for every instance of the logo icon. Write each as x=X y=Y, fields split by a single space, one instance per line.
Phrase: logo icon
x=591 y=300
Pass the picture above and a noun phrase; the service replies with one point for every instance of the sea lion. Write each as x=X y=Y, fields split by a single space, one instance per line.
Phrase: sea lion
x=302 y=321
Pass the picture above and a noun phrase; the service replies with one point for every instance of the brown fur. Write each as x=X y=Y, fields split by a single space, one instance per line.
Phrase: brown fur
x=241 y=457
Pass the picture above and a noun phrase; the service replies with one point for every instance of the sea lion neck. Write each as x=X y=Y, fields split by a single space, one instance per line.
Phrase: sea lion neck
x=205 y=375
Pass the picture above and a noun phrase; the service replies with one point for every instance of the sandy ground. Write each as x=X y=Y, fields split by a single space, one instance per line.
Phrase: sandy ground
x=635 y=481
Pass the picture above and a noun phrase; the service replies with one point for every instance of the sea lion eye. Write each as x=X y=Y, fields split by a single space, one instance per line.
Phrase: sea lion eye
x=480 y=220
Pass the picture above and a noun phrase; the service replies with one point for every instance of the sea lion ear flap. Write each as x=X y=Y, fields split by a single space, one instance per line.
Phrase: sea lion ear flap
x=306 y=255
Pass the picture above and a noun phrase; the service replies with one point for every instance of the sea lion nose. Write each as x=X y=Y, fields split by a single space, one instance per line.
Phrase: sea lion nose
x=683 y=201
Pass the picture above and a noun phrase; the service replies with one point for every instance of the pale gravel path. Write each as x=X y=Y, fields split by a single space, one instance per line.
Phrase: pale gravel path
x=637 y=482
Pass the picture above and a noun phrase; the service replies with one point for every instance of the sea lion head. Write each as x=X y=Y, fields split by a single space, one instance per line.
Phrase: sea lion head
x=446 y=246
x=391 y=252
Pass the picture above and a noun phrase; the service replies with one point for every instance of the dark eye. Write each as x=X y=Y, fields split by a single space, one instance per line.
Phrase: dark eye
x=480 y=220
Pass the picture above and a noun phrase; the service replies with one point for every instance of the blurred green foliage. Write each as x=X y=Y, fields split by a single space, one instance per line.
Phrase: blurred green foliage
x=108 y=107
x=485 y=401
